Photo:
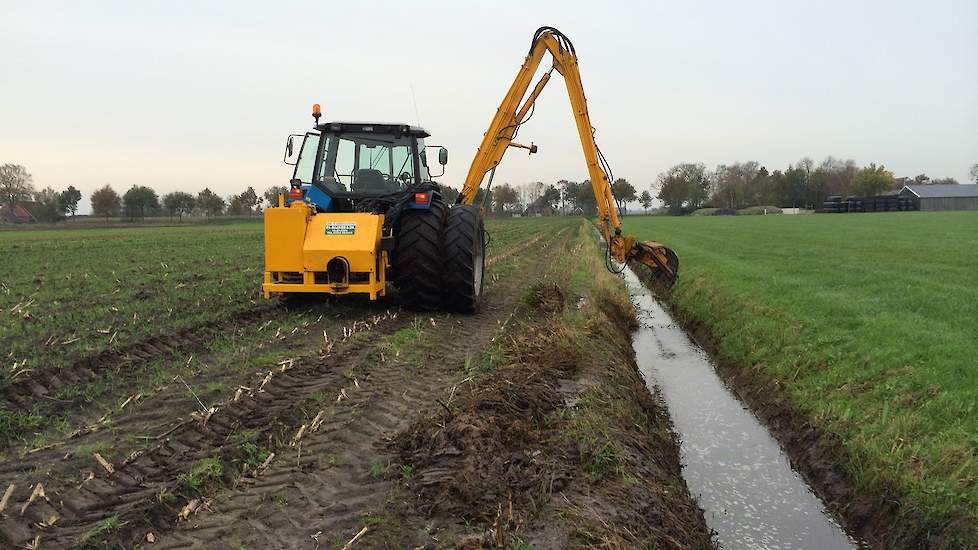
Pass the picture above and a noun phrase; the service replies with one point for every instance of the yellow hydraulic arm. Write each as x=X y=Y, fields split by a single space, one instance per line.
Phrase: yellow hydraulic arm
x=513 y=112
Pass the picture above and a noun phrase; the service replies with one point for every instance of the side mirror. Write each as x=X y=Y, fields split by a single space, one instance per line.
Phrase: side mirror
x=442 y=156
x=290 y=152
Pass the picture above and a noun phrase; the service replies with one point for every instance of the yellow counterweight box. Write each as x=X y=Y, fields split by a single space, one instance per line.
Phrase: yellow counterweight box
x=333 y=253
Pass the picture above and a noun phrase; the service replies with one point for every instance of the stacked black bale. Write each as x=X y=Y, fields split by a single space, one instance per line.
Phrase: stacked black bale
x=833 y=205
x=885 y=203
x=891 y=203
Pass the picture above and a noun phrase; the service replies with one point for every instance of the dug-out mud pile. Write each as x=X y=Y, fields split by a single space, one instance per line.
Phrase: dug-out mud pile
x=561 y=445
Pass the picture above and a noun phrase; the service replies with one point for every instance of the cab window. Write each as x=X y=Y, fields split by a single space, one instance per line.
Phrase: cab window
x=367 y=163
x=307 y=158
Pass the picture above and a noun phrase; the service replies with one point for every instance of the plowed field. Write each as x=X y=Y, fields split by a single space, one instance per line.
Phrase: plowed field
x=150 y=397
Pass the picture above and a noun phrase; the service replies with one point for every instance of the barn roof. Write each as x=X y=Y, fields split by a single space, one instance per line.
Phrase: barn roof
x=18 y=212
x=943 y=191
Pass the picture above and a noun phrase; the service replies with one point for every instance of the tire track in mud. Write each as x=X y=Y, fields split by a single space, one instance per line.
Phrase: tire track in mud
x=151 y=412
x=28 y=391
x=37 y=386
x=154 y=411
x=333 y=500
x=132 y=490
x=496 y=258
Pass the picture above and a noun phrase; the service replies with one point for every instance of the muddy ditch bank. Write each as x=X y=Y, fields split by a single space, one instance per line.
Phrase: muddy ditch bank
x=559 y=445
x=874 y=516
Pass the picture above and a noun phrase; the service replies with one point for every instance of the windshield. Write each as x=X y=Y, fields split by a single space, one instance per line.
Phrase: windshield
x=362 y=163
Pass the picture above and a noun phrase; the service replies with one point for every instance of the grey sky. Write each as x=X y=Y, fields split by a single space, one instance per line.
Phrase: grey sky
x=181 y=95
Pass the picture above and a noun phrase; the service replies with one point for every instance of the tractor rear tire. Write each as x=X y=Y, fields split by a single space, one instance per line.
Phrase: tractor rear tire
x=418 y=257
x=465 y=259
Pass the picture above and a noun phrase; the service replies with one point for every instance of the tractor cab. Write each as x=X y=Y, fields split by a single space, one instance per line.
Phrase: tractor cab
x=346 y=166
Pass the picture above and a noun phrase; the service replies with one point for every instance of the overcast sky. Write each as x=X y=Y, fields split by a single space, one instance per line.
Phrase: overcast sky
x=182 y=95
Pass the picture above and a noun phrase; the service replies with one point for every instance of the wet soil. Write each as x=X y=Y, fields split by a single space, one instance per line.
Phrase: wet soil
x=560 y=446
x=134 y=412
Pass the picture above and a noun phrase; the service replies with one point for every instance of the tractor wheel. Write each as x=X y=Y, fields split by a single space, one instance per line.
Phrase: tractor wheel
x=418 y=257
x=465 y=259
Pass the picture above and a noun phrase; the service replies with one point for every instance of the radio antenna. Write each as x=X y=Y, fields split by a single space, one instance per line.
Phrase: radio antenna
x=414 y=100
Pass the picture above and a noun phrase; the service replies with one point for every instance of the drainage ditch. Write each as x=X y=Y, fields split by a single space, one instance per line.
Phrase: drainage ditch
x=744 y=482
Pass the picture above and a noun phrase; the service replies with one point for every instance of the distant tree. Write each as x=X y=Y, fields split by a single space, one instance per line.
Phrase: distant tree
x=974 y=173
x=943 y=181
x=734 y=184
x=16 y=185
x=448 y=194
x=624 y=193
x=237 y=206
x=921 y=179
x=140 y=201
x=248 y=201
x=551 y=196
x=873 y=180
x=48 y=207
x=579 y=197
x=272 y=193
x=805 y=164
x=645 y=199
x=796 y=187
x=505 y=198
x=546 y=203
x=105 y=202
x=683 y=187
x=831 y=177
x=528 y=195
x=178 y=203
x=209 y=203
x=759 y=188
x=69 y=200
x=562 y=186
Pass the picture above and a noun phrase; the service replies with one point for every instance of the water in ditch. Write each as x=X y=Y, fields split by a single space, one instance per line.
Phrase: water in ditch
x=744 y=482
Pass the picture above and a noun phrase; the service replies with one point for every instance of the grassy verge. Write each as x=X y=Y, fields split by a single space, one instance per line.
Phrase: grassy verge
x=867 y=322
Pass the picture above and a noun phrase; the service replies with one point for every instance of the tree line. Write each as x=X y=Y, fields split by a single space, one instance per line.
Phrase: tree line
x=48 y=204
x=16 y=187
x=539 y=198
x=140 y=201
x=689 y=186
x=682 y=189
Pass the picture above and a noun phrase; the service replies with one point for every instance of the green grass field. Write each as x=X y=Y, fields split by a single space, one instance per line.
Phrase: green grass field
x=870 y=320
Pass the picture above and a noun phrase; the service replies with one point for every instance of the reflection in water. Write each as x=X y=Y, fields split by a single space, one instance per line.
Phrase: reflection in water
x=752 y=497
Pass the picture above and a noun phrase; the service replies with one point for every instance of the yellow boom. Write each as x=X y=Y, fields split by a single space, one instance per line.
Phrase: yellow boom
x=512 y=112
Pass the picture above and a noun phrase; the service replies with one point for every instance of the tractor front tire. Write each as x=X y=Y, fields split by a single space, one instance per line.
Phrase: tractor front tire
x=418 y=257
x=465 y=259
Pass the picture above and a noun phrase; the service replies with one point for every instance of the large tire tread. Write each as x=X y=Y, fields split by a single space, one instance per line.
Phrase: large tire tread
x=418 y=258
x=464 y=246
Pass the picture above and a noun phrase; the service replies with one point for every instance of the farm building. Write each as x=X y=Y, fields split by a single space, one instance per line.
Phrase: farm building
x=943 y=197
x=17 y=213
